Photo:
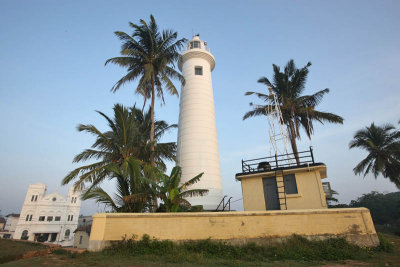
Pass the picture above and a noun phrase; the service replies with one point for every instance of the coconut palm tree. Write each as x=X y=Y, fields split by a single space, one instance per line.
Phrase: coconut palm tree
x=126 y=138
x=133 y=194
x=298 y=110
x=172 y=193
x=149 y=56
x=383 y=146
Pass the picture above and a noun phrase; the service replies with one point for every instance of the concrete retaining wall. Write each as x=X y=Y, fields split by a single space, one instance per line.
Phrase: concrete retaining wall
x=236 y=227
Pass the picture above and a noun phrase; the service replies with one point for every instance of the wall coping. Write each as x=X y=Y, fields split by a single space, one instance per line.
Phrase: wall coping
x=230 y=213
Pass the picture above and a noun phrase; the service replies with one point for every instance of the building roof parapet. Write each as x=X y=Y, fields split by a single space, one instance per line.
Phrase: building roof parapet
x=285 y=170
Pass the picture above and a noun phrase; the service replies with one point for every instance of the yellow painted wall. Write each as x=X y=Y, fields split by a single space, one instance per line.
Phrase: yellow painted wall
x=309 y=187
x=356 y=224
x=253 y=194
x=310 y=192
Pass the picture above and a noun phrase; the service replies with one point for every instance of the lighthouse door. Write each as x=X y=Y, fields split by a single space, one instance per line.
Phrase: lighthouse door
x=271 y=194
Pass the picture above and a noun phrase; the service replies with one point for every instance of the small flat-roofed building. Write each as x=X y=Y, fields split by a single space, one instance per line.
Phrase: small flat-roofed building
x=84 y=220
x=2 y=223
x=283 y=183
x=9 y=226
x=82 y=235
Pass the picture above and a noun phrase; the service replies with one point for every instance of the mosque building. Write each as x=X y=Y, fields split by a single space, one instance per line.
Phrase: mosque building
x=49 y=218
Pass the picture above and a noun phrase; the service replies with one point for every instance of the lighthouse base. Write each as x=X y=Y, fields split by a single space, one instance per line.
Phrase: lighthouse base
x=210 y=202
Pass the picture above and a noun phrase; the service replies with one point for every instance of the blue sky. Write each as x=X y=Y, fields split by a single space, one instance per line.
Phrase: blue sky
x=52 y=77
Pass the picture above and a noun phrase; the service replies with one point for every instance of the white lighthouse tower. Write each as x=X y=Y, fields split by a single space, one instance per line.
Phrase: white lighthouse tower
x=197 y=132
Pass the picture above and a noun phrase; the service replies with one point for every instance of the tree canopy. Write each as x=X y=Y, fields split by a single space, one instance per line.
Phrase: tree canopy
x=298 y=110
x=127 y=137
x=383 y=146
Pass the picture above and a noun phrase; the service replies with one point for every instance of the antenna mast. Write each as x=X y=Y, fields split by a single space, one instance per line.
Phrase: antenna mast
x=278 y=136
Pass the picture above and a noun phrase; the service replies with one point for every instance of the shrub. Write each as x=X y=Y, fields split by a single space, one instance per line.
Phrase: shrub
x=294 y=248
x=384 y=244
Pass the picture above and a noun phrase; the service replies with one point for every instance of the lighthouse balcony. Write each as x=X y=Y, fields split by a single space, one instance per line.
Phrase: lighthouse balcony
x=279 y=162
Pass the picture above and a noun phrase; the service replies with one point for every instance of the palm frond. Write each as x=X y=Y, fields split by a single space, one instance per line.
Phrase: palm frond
x=100 y=196
x=191 y=181
x=194 y=193
x=255 y=112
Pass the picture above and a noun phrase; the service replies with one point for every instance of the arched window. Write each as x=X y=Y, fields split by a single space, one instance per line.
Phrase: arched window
x=24 y=235
x=67 y=232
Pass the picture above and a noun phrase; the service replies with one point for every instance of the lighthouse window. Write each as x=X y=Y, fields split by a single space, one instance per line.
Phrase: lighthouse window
x=198 y=70
x=194 y=44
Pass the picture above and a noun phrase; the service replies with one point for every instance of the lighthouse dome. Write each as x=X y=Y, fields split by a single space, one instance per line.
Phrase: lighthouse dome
x=196 y=43
x=196 y=48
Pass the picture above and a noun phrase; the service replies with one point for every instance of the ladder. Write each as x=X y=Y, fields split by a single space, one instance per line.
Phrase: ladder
x=281 y=189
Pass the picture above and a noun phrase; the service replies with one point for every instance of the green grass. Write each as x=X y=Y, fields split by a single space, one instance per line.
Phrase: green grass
x=11 y=249
x=296 y=251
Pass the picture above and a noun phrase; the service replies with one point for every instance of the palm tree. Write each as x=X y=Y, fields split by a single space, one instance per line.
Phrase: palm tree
x=169 y=190
x=127 y=137
x=149 y=56
x=297 y=110
x=133 y=194
x=383 y=146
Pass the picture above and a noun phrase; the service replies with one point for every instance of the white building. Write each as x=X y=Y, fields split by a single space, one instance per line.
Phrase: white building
x=48 y=218
x=9 y=226
x=197 y=131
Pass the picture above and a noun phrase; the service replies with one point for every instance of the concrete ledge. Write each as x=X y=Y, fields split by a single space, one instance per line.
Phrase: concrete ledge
x=236 y=227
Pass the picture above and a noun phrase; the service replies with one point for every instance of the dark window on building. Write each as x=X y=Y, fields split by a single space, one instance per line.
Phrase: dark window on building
x=67 y=233
x=33 y=197
x=41 y=218
x=36 y=198
x=72 y=216
x=57 y=218
x=198 y=70
x=30 y=218
x=27 y=218
x=80 y=240
x=49 y=218
x=290 y=184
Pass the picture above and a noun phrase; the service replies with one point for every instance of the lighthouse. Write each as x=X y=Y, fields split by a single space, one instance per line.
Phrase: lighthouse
x=197 y=130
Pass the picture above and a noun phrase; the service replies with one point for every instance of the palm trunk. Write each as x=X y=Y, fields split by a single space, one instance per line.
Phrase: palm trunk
x=144 y=104
x=152 y=162
x=293 y=141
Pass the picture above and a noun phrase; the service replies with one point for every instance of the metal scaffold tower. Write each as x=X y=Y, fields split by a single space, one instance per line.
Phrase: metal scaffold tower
x=278 y=136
